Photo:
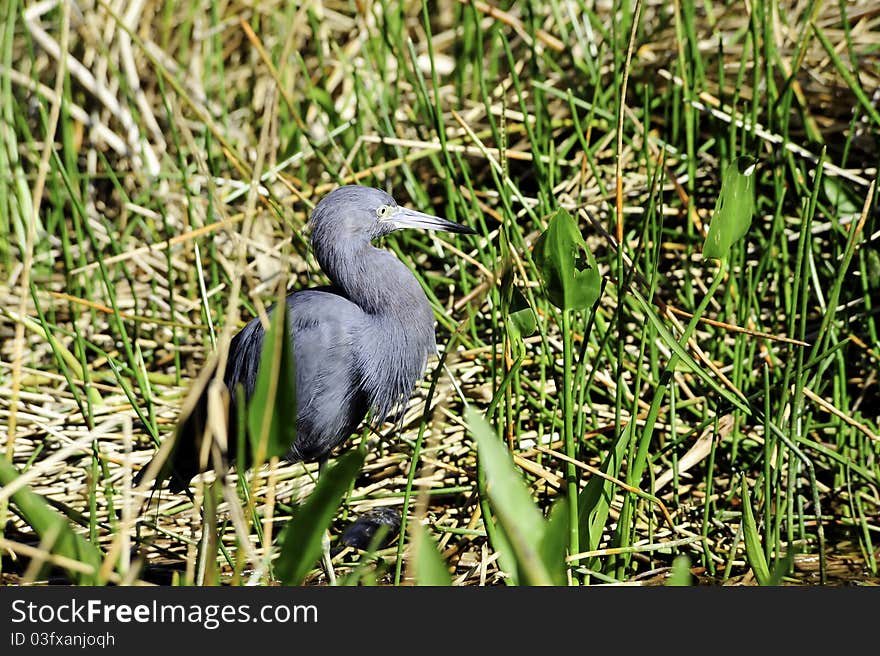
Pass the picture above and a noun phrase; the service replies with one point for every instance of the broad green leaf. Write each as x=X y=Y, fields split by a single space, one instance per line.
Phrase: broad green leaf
x=594 y=501
x=754 y=550
x=733 y=210
x=781 y=568
x=555 y=542
x=568 y=269
x=509 y=497
x=301 y=543
x=272 y=410
x=681 y=572
x=522 y=317
x=495 y=532
x=56 y=534
x=873 y=258
x=506 y=555
x=429 y=567
x=840 y=196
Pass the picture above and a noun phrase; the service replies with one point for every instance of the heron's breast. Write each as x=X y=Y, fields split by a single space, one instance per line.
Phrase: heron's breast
x=392 y=358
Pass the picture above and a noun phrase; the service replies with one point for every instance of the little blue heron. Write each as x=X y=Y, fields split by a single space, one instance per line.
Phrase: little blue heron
x=360 y=344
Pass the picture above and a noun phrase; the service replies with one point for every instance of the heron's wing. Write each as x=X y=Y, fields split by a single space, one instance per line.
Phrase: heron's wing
x=330 y=405
x=329 y=398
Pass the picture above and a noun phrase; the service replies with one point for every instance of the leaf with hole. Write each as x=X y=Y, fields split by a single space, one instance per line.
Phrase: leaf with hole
x=568 y=269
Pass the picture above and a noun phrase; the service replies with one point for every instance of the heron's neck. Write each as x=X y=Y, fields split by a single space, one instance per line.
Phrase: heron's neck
x=399 y=336
x=374 y=279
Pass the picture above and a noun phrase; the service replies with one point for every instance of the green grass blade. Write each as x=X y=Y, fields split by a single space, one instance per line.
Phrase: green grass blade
x=754 y=550
x=685 y=357
x=272 y=412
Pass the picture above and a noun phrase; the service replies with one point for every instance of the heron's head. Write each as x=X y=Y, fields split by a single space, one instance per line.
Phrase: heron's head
x=361 y=214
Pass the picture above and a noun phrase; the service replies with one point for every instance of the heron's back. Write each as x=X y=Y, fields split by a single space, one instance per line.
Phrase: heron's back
x=347 y=362
x=330 y=401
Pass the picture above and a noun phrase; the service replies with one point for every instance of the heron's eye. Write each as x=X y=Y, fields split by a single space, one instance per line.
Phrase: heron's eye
x=383 y=210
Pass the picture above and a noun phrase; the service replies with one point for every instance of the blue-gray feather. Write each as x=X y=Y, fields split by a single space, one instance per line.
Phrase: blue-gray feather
x=360 y=345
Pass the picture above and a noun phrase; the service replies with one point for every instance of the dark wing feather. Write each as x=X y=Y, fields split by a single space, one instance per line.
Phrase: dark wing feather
x=330 y=402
